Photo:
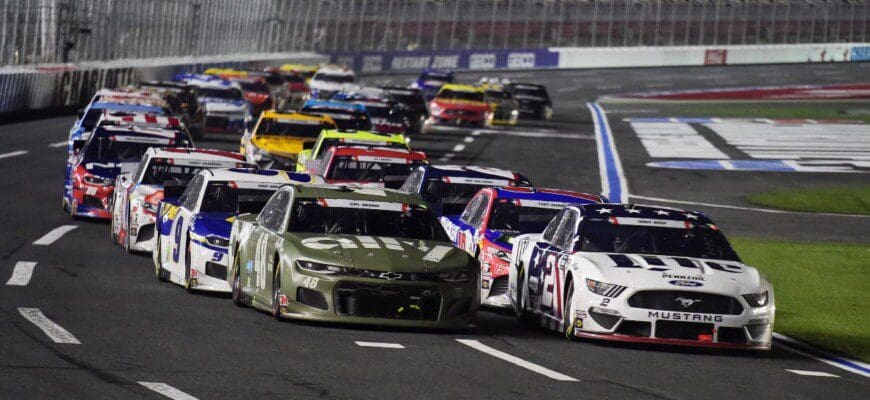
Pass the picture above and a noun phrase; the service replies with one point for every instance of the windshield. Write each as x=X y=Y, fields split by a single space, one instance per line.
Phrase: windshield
x=334 y=78
x=344 y=119
x=277 y=127
x=350 y=168
x=257 y=87
x=460 y=95
x=698 y=241
x=309 y=216
x=226 y=197
x=162 y=170
x=527 y=90
x=411 y=99
x=379 y=111
x=452 y=197
x=506 y=215
x=103 y=148
x=230 y=94
x=499 y=95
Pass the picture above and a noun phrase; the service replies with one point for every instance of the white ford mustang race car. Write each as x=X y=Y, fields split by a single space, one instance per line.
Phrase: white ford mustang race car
x=138 y=194
x=640 y=274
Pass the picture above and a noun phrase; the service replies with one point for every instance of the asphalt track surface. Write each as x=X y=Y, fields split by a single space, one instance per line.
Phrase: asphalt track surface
x=132 y=328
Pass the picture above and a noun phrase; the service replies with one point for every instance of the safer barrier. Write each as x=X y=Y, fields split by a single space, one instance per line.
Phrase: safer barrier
x=62 y=88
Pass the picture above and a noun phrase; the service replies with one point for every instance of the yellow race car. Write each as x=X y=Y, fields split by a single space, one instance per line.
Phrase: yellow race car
x=505 y=108
x=278 y=138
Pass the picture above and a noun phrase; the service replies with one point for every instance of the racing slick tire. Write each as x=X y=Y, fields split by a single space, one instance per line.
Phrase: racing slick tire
x=112 y=231
x=187 y=280
x=64 y=204
x=127 y=247
x=162 y=274
x=567 y=316
x=276 y=292
x=236 y=285
x=523 y=316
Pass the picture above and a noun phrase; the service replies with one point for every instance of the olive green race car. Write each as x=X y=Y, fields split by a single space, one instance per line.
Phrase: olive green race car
x=363 y=256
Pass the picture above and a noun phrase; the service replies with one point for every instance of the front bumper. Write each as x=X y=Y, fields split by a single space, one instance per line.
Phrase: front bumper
x=91 y=201
x=457 y=120
x=142 y=232
x=605 y=318
x=208 y=267
x=381 y=302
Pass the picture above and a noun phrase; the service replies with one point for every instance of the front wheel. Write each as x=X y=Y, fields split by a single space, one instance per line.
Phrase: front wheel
x=162 y=274
x=568 y=313
x=523 y=316
x=276 y=294
x=236 y=284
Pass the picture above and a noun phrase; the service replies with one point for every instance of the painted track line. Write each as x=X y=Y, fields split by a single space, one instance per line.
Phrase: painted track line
x=804 y=349
x=59 y=144
x=54 y=331
x=812 y=373
x=613 y=183
x=167 y=391
x=54 y=235
x=764 y=210
x=22 y=273
x=13 y=154
x=380 y=345
x=475 y=344
x=459 y=147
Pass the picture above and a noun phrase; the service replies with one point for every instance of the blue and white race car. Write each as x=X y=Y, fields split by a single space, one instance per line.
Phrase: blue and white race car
x=430 y=81
x=226 y=111
x=347 y=116
x=193 y=230
x=494 y=218
x=448 y=188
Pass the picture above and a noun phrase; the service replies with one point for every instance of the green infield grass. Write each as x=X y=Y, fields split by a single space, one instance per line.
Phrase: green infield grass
x=841 y=200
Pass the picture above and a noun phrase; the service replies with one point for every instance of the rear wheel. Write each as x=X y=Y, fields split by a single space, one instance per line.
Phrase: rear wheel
x=523 y=316
x=162 y=274
x=127 y=245
x=187 y=280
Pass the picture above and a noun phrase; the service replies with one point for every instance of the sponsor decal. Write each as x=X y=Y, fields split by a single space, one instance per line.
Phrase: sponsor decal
x=372 y=63
x=255 y=185
x=521 y=60
x=410 y=62
x=140 y=139
x=554 y=205
x=385 y=160
x=715 y=56
x=664 y=223
x=481 y=61
x=681 y=316
x=683 y=277
x=445 y=61
x=362 y=204
x=860 y=53
x=475 y=181
x=683 y=283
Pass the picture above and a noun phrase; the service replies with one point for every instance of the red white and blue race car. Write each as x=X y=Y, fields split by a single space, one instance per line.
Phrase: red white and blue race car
x=491 y=222
x=640 y=274
x=138 y=193
x=109 y=151
x=370 y=166
x=448 y=188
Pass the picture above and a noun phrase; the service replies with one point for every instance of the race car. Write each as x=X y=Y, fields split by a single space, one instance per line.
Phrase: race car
x=138 y=194
x=226 y=110
x=534 y=101
x=193 y=115
x=109 y=101
x=333 y=137
x=633 y=273
x=358 y=256
x=347 y=116
x=277 y=138
x=448 y=188
x=256 y=92
x=193 y=230
x=411 y=106
x=430 y=81
x=304 y=70
x=460 y=105
x=494 y=218
x=370 y=166
x=505 y=109
x=329 y=80
x=381 y=109
x=111 y=150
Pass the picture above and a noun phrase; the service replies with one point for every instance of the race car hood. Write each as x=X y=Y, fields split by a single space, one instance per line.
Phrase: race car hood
x=213 y=224
x=379 y=253
x=328 y=86
x=462 y=105
x=282 y=146
x=142 y=191
x=673 y=273
x=222 y=105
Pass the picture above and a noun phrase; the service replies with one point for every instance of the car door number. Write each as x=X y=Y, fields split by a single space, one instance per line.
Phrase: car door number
x=260 y=261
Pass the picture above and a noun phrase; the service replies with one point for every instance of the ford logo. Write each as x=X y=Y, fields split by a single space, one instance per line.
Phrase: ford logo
x=686 y=283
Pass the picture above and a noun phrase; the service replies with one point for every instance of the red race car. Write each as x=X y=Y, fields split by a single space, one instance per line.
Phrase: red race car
x=459 y=105
x=370 y=166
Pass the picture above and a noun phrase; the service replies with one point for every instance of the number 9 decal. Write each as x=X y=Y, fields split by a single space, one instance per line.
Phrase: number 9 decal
x=176 y=252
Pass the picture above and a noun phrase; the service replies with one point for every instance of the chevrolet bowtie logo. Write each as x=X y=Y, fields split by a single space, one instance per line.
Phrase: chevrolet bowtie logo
x=391 y=276
x=686 y=302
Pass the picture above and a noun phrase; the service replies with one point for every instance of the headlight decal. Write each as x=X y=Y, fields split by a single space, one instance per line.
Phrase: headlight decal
x=757 y=299
x=604 y=289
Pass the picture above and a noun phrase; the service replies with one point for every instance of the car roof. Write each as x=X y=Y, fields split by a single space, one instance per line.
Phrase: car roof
x=257 y=175
x=645 y=212
x=335 y=70
x=461 y=88
x=362 y=135
x=298 y=67
x=184 y=153
x=543 y=194
x=136 y=118
x=351 y=192
x=132 y=107
x=379 y=152
x=471 y=171
x=298 y=116
x=315 y=104
x=137 y=131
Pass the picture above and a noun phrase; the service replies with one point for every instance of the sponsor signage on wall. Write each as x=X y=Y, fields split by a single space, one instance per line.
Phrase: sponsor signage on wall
x=448 y=59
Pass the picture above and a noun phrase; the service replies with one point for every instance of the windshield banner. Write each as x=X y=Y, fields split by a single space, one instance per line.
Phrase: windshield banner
x=362 y=204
